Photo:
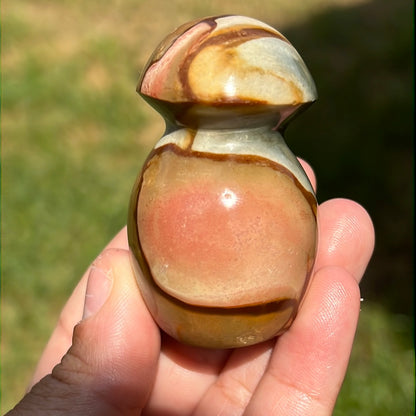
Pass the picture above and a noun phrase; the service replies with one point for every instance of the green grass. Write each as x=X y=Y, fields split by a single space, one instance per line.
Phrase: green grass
x=380 y=378
x=75 y=133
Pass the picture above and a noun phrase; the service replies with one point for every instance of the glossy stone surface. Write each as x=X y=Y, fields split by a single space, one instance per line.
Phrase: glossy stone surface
x=222 y=223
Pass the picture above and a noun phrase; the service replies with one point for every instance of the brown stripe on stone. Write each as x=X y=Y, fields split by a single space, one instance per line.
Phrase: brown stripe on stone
x=177 y=33
x=254 y=309
x=169 y=41
x=231 y=38
x=239 y=158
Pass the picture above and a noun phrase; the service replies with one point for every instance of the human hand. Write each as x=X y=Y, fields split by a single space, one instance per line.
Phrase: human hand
x=116 y=362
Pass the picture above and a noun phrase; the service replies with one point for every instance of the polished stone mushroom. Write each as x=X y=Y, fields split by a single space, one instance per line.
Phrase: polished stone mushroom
x=222 y=223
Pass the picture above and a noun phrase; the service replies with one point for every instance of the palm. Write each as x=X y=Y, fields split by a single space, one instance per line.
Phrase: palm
x=192 y=378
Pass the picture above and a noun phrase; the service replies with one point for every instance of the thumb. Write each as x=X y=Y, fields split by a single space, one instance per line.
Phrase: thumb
x=111 y=365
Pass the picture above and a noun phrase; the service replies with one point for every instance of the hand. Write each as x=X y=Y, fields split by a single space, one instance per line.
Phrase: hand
x=116 y=362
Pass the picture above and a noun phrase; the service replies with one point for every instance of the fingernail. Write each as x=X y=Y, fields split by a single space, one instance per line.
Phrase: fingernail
x=98 y=289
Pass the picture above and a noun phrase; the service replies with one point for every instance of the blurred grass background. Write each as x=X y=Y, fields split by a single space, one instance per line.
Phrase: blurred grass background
x=75 y=133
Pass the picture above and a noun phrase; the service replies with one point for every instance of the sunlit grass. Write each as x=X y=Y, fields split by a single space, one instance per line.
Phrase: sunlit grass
x=74 y=135
x=380 y=379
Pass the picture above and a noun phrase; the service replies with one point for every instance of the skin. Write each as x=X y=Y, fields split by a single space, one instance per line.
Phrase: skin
x=116 y=362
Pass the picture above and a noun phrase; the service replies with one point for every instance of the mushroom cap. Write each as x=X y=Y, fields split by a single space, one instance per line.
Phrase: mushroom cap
x=227 y=60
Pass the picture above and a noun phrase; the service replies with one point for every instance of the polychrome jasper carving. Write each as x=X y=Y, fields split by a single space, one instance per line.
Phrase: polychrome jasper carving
x=222 y=223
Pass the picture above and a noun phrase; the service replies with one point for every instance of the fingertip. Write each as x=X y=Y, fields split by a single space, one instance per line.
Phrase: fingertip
x=346 y=236
x=335 y=295
x=353 y=209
